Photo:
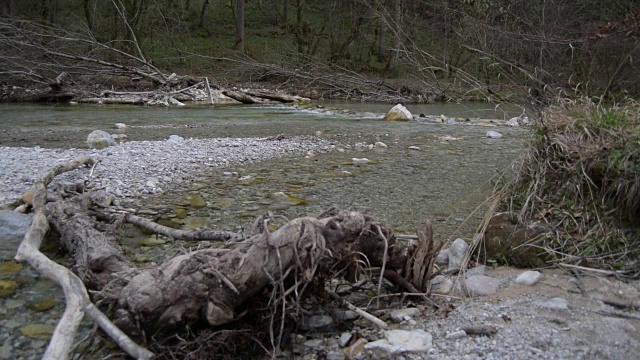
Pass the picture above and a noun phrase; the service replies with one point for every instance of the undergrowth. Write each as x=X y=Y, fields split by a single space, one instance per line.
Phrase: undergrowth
x=580 y=175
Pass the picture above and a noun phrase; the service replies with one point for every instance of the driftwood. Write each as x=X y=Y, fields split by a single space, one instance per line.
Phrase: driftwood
x=275 y=96
x=125 y=101
x=212 y=235
x=77 y=299
x=213 y=285
x=241 y=97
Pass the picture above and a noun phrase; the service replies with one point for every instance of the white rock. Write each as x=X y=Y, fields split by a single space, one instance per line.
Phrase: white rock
x=513 y=122
x=481 y=285
x=457 y=254
x=119 y=137
x=357 y=161
x=398 y=113
x=175 y=138
x=246 y=180
x=314 y=343
x=121 y=126
x=99 y=139
x=344 y=339
x=401 y=341
x=528 y=277
x=380 y=145
x=553 y=303
x=399 y=315
x=456 y=335
x=493 y=134
x=318 y=133
x=414 y=148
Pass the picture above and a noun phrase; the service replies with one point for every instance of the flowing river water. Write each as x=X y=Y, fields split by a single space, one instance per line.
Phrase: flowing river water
x=447 y=180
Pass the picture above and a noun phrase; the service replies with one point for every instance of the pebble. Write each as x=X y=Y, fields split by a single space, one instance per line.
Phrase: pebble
x=481 y=285
x=344 y=339
x=414 y=148
x=400 y=315
x=493 y=134
x=401 y=341
x=456 y=335
x=357 y=161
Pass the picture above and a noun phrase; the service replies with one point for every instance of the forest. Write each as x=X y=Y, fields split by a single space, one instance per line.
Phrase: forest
x=428 y=50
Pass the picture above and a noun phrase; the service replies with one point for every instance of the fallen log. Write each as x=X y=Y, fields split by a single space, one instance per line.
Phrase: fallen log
x=123 y=101
x=276 y=96
x=77 y=299
x=241 y=97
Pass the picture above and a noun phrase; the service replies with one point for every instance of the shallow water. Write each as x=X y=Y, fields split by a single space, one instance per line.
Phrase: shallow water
x=446 y=180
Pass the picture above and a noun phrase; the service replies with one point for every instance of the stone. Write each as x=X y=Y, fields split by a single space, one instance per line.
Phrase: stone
x=99 y=139
x=317 y=323
x=401 y=341
x=478 y=270
x=457 y=253
x=417 y=148
x=41 y=305
x=513 y=122
x=175 y=138
x=357 y=161
x=380 y=145
x=10 y=267
x=493 y=134
x=481 y=285
x=196 y=201
x=442 y=258
x=456 y=335
x=181 y=213
x=22 y=209
x=38 y=331
x=152 y=241
x=7 y=288
x=344 y=339
x=400 y=315
x=557 y=303
x=6 y=351
x=398 y=113
x=247 y=180
x=345 y=315
x=120 y=126
x=13 y=225
x=355 y=349
x=529 y=277
x=314 y=343
x=441 y=285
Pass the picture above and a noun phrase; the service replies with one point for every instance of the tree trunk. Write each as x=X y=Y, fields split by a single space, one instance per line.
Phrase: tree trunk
x=240 y=25
x=394 y=52
x=299 y=29
x=285 y=13
x=8 y=7
x=202 y=12
x=89 y=7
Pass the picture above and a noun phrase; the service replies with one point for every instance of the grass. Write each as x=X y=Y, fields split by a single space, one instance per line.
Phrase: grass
x=581 y=177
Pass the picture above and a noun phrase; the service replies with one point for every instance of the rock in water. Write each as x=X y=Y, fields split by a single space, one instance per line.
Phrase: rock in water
x=175 y=138
x=493 y=134
x=513 y=122
x=99 y=139
x=120 y=126
x=398 y=113
x=528 y=277
x=457 y=253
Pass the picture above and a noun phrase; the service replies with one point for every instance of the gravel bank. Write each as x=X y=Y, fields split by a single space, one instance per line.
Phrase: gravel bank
x=145 y=167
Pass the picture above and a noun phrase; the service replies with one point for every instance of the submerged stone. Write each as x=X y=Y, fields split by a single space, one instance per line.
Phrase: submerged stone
x=196 y=201
x=41 y=305
x=152 y=241
x=38 y=331
x=10 y=267
x=7 y=288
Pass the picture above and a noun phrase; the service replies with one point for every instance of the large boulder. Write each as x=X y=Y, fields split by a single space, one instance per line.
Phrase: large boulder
x=398 y=113
x=99 y=139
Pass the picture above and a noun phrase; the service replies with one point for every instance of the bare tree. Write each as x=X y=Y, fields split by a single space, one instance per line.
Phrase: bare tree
x=239 y=14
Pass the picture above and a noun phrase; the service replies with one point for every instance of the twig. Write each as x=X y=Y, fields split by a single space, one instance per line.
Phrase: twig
x=606 y=272
x=206 y=81
x=181 y=234
x=384 y=264
x=381 y=324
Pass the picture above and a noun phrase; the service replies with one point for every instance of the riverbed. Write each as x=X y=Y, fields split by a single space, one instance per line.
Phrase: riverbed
x=441 y=171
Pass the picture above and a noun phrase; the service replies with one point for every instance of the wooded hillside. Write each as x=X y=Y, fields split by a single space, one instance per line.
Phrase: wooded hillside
x=472 y=47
